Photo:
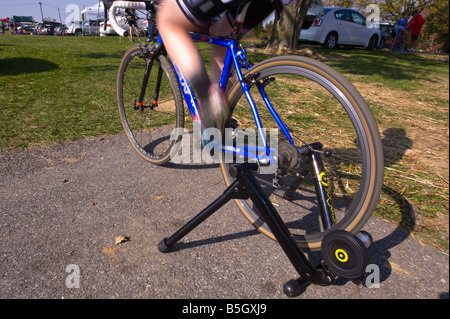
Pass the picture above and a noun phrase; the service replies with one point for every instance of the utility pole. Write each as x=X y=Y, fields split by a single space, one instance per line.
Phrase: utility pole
x=60 y=20
x=42 y=14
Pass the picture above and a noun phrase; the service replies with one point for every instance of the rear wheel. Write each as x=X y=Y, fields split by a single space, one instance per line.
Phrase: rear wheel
x=331 y=41
x=317 y=104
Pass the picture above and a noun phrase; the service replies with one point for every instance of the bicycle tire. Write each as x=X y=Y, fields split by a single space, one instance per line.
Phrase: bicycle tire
x=149 y=127
x=310 y=97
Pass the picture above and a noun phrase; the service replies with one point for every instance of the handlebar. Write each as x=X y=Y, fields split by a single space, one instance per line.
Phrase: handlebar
x=112 y=7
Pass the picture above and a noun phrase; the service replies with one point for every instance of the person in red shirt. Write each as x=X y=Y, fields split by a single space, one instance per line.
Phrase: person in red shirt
x=416 y=27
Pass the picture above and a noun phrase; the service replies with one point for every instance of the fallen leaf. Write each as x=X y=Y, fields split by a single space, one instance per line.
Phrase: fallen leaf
x=68 y=160
x=121 y=239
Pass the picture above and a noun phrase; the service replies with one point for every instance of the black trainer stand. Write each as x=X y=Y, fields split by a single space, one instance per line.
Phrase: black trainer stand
x=245 y=186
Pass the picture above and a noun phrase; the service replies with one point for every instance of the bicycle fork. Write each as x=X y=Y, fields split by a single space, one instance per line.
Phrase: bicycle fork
x=139 y=104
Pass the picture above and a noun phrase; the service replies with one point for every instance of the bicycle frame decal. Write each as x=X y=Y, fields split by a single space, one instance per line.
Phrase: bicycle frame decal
x=189 y=96
x=324 y=180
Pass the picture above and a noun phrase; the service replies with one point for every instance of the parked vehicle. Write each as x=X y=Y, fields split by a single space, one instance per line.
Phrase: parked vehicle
x=60 y=30
x=386 y=36
x=91 y=27
x=40 y=29
x=25 y=29
x=47 y=27
x=49 y=30
x=74 y=28
x=339 y=26
x=88 y=27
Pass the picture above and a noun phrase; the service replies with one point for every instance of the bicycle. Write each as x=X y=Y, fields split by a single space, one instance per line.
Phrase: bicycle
x=399 y=40
x=325 y=183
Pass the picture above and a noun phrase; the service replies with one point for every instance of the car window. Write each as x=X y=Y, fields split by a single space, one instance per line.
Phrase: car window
x=325 y=11
x=342 y=15
x=358 y=18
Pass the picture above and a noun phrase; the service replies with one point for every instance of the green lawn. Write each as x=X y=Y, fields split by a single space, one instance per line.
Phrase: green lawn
x=57 y=88
x=54 y=89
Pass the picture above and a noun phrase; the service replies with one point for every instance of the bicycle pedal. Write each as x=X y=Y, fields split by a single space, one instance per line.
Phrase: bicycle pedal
x=232 y=123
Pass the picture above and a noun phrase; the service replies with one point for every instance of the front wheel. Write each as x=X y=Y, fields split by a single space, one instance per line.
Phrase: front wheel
x=316 y=104
x=372 y=43
x=150 y=104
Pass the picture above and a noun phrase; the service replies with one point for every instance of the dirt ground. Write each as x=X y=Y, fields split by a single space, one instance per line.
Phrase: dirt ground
x=429 y=137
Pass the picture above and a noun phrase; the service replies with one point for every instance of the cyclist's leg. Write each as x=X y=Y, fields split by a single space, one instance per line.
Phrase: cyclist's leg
x=257 y=12
x=221 y=27
x=174 y=27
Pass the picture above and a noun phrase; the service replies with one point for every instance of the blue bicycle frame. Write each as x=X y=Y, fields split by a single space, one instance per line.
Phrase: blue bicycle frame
x=236 y=56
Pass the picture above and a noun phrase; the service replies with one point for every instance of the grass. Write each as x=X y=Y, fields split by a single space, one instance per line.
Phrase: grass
x=55 y=89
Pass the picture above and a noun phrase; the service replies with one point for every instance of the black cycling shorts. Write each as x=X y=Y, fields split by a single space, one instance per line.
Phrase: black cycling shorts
x=203 y=13
x=256 y=13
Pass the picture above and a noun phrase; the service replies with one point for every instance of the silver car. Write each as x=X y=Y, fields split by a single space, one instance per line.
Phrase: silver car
x=339 y=26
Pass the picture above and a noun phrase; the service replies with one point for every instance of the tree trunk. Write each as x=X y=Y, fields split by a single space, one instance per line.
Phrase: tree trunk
x=287 y=26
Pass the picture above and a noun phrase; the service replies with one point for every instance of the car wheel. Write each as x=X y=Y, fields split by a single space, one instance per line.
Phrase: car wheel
x=331 y=41
x=372 y=42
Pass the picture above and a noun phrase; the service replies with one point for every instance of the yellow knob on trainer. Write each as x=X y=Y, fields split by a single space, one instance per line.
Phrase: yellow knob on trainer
x=341 y=255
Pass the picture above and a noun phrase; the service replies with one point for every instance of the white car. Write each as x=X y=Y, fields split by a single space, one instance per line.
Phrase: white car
x=339 y=26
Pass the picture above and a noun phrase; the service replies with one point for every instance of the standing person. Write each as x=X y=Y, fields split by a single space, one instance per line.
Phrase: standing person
x=130 y=15
x=3 y=27
x=416 y=27
x=399 y=32
x=151 y=27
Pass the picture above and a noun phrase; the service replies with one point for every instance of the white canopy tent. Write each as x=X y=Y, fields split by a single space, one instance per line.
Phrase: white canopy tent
x=95 y=12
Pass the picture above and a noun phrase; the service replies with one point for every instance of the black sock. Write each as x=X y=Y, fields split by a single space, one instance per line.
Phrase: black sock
x=200 y=83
